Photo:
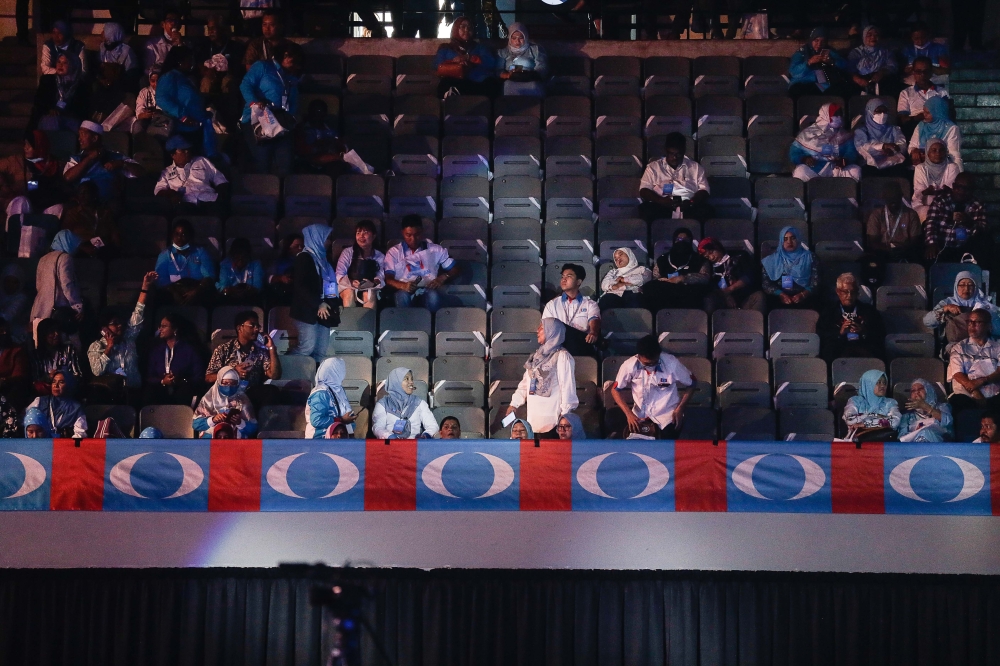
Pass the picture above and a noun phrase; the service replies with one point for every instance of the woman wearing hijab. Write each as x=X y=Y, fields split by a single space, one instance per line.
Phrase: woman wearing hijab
x=34 y=165
x=151 y=433
x=880 y=143
x=570 y=427
x=51 y=355
x=401 y=414
x=870 y=412
x=328 y=405
x=790 y=275
x=62 y=99
x=521 y=429
x=65 y=416
x=36 y=424
x=936 y=125
x=225 y=412
x=361 y=262
x=114 y=51
x=177 y=96
x=681 y=278
x=932 y=176
x=816 y=69
x=548 y=386
x=522 y=64
x=280 y=272
x=874 y=67
x=464 y=64
x=58 y=294
x=622 y=284
x=950 y=317
x=926 y=419
x=315 y=296
x=825 y=148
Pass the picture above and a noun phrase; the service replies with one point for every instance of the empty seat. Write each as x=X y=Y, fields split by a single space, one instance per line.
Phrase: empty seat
x=174 y=421
x=802 y=423
x=765 y=75
x=617 y=75
x=462 y=196
x=665 y=115
x=460 y=368
x=370 y=74
x=514 y=320
x=568 y=165
x=569 y=229
x=905 y=370
x=618 y=197
x=769 y=155
x=837 y=240
x=683 y=332
x=405 y=319
x=308 y=195
x=417 y=114
x=846 y=372
x=413 y=195
x=569 y=251
x=461 y=343
x=517 y=296
x=906 y=334
x=737 y=333
x=748 y=424
x=143 y=235
x=769 y=115
x=367 y=114
x=458 y=393
x=467 y=115
x=800 y=382
x=742 y=381
x=719 y=115
x=792 y=333
x=666 y=75
x=360 y=196
x=415 y=75
x=471 y=145
x=517 y=228
x=404 y=343
x=374 y=150
x=515 y=273
x=517 y=196
x=124 y=416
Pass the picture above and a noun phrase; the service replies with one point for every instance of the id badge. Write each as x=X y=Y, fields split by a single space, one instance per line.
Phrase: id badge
x=330 y=290
x=668 y=189
x=399 y=427
x=786 y=282
x=244 y=384
x=961 y=234
x=120 y=372
x=852 y=336
x=663 y=383
x=722 y=283
x=673 y=275
x=532 y=386
x=284 y=102
x=175 y=278
x=61 y=104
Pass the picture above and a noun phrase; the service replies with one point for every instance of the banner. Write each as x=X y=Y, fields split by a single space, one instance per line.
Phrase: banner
x=498 y=475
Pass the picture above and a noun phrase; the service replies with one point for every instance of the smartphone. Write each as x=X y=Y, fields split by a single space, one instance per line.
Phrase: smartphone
x=825 y=53
x=32 y=185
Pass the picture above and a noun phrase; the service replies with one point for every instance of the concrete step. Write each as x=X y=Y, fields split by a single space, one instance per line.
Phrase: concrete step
x=17 y=108
x=17 y=95
x=981 y=167
x=980 y=141
x=10 y=149
x=974 y=87
x=962 y=101
x=979 y=127
x=978 y=113
x=976 y=74
x=980 y=154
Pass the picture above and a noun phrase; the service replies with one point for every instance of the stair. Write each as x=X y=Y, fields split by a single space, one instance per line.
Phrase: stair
x=975 y=89
x=18 y=80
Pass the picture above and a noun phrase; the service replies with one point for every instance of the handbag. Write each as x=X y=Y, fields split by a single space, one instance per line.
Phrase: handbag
x=333 y=321
x=451 y=70
x=886 y=434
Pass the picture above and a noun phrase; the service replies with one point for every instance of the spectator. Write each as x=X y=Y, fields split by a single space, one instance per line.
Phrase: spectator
x=92 y=222
x=190 y=185
x=910 y=106
x=149 y=118
x=225 y=412
x=681 y=277
x=186 y=271
x=241 y=277
x=150 y=433
x=220 y=46
x=317 y=146
x=522 y=64
x=157 y=48
x=175 y=371
x=55 y=283
x=660 y=386
x=734 y=278
x=825 y=148
x=870 y=415
x=275 y=84
x=177 y=97
x=37 y=166
x=791 y=275
x=894 y=231
x=279 y=278
x=622 y=284
x=52 y=354
x=549 y=383
x=881 y=144
x=105 y=168
x=956 y=225
x=936 y=125
x=674 y=185
x=989 y=433
x=62 y=99
x=65 y=415
x=114 y=51
x=974 y=366
x=418 y=268
x=922 y=46
x=570 y=427
x=816 y=69
x=62 y=41
x=361 y=268
x=580 y=314
x=15 y=378
x=521 y=429
x=36 y=424
x=925 y=419
x=874 y=67
x=272 y=40
x=465 y=66
x=850 y=327
x=401 y=414
x=252 y=355
x=450 y=428
x=14 y=303
x=114 y=355
x=951 y=315
x=328 y=405
x=931 y=177
x=315 y=303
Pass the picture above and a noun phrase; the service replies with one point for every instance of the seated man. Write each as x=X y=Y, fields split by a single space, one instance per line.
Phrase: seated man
x=95 y=163
x=317 y=146
x=674 y=185
x=252 y=355
x=579 y=313
x=191 y=184
x=450 y=428
x=114 y=355
x=850 y=328
x=241 y=277
x=418 y=268
x=956 y=225
x=186 y=271
x=922 y=46
x=989 y=433
x=660 y=385
x=910 y=106
x=893 y=231
x=271 y=41
x=158 y=47
x=974 y=367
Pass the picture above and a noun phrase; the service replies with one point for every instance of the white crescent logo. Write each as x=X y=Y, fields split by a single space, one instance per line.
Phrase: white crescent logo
x=503 y=475
x=973 y=479
x=277 y=475
x=814 y=481
x=121 y=476
x=34 y=475
x=659 y=475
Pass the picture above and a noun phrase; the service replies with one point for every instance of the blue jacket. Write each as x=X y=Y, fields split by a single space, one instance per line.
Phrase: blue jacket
x=177 y=97
x=196 y=265
x=252 y=275
x=263 y=84
x=799 y=70
x=478 y=73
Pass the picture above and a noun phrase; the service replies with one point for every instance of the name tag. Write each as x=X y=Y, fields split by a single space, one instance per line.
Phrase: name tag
x=175 y=278
x=673 y=275
x=786 y=282
x=961 y=234
x=61 y=104
x=532 y=385
x=663 y=382
x=852 y=336
x=120 y=372
x=399 y=427
x=668 y=189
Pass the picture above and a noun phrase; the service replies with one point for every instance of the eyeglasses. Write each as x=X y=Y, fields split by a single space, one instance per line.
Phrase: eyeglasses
x=251 y=324
x=564 y=427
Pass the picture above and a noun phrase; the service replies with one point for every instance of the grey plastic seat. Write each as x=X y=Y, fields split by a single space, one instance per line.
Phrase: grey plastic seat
x=517 y=196
x=514 y=320
x=730 y=188
x=420 y=368
x=622 y=146
x=174 y=421
x=460 y=343
x=700 y=423
x=618 y=197
x=831 y=188
x=748 y=424
x=404 y=343
x=363 y=66
x=800 y=382
x=837 y=240
x=627 y=320
x=892 y=298
x=769 y=155
x=567 y=116
x=569 y=145
x=517 y=145
x=683 y=332
x=737 y=333
x=516 y=126
x=625 y=229
x=779 y=187
x=765 y=75
x=467 y=115
x=360 y=196
x=629 y=166
x=742 y=381
x=413 y=195
x=308 y=195
x=906 y=334
x=520 y=273
x=462 y=196
x=569 y=251
x=458 y=393
x=255 y=194
x=733 y=234
x=405 y=319
x=143 y=235
x=464 y=368
x=805 y=424
x=666 y=75
x=508 y=251
x=517 y=228
x=517 y=165
x=467 y=145
x=351 y=343
x=668 y=114
x=517 y=296
x=460 y=319
x=846 y=372
x=903 y=370
x=568 y=165
x=792 y=333
x=770 y=115
x=464 y=165
x=457 y=228
x=568 y=229
x=617 y=75
x=359 y=368
x=508 y=343
x=374 y=150
x=719 y=115
x=415 y=75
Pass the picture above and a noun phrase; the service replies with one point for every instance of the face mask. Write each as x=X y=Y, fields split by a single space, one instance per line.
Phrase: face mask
x=228 y=391
x=181 y=248
x=880 y=118
x=836 y=122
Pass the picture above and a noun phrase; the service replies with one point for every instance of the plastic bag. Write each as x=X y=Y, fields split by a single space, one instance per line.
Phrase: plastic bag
x=755 y=26
x=266 y=125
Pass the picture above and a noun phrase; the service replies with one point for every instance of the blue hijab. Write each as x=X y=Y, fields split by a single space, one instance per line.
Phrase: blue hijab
x=866 y=401
x=33 y=416
x=876 y=132
x=66 y=241
x=797 y=264
x=937 y=128
x=314 y=236
x=396 y=400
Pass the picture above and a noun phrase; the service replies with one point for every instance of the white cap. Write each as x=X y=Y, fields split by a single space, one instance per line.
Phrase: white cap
x=91 y=126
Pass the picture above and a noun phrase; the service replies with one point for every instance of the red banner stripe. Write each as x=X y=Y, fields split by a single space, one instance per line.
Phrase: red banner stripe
x=391 y=475
x=857 y=477
x=234 y=475
x=699 y=476
x=546 y=475
x=77 y=475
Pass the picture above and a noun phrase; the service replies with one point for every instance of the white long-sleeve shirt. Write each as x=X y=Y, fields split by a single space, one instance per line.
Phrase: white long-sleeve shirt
x=952 y=139
x=544 y=412
x=421 y=421
x=689 y=175
x=47 y=57
x=344 y=265
x=921 y=182
x=197 y=180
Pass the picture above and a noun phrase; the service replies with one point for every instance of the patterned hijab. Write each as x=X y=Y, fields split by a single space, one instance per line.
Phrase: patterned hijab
x=397 y=402
x=871 y=58
x=971 y=303
x=542 y=364
x=820 y=134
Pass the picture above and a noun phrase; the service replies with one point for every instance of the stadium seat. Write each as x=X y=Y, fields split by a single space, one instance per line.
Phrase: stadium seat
x=282 y=417
x=417 y=114
x=568 y=165
x=370 y=74
x=846 y=372
x=733 y=234
x=665 y=115
x=737 y=333
x=808 y=106
x=905 y=370
x=568 y=229
x=174 y=421
x=458 y=393
x=360 y=196
x=462 y=368
x=521 y=273
x=769 y=115
x=742 y=381
x=666 y=75
x=743 y=423
x=413 y=195
x=124 y=416
x=308 y=195
x=805 y=424
x=716 y=75
x=517 y=196
x=143 y=235
x=418 y=366
x=350 y=343
x=470 y=145
x=906 y=334
x=800 y=382
x=719 y=115
x=462 y=196
x=683 y=332
x=792 y=333
x=769 y=155
x=765 y=75
x=472 y=420
x=517 y=228
x=415 y=75
x=700 y=423
x=405 y=319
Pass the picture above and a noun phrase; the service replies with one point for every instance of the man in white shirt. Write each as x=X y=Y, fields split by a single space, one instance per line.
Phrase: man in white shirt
x=989 y=433
x=974 y=366
x=418 y=268
x=580 y=313
x=158 y=48
x=655 y=379
x=674 y=185
x=190 y=183
x=95 y=163
x=910 y=106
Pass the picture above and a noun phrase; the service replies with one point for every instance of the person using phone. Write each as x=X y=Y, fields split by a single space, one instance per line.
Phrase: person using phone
x=418 y=268
x=361 y=268
x=225 y=412
x=465 y=65
x=816 y=69
x=328 y=405
x=850 y=327
x=114 y=354
x=252 y=355
x=522 y=64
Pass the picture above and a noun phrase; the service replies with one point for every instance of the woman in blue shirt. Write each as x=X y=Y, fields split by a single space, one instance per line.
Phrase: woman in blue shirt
x=177 y=97
x=464 y=64
x=328 y=405
x=816 y=69
x=241 y=277
x=186 y=271
x=272 y=83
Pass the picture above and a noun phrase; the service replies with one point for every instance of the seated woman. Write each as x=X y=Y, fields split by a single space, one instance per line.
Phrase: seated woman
x=522 y=64
x=825 y=149
x=874 y=67
x=681 y=278
x=816 y=69
x=950 y=317
x=881 y=144
x=328 y=406
x=936 y=125
x=93 y=222
x=225 y=412
x=62 y=100
x=570 y=427
x=175 y=371
x=521 y=429
x=317 y=146
x=622 y=285
x=52 y=355
x=464 y=64
x=115 y=51
x=279 y=275
x=932 y=177
x=734 y=279
x=65 y=415
x=790 y=276
x=400 y=414
x=361 y=268
x=870 y=415
x=149 y=118
x=186 y=271
x=241 y=278
x=32 y=181
x=62 y=41
x=925 y=419
x=548 y=386
x=36 y=424
x=177 y=96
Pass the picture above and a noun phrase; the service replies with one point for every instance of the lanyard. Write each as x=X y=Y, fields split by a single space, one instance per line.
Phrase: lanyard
x=896 y=225
x=168 y=358
x=571 y=316
x=52 y=416
x=173 y=260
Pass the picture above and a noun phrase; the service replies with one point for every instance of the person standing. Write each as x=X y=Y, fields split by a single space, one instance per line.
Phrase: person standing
x=548 y=386
x=315 y=297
